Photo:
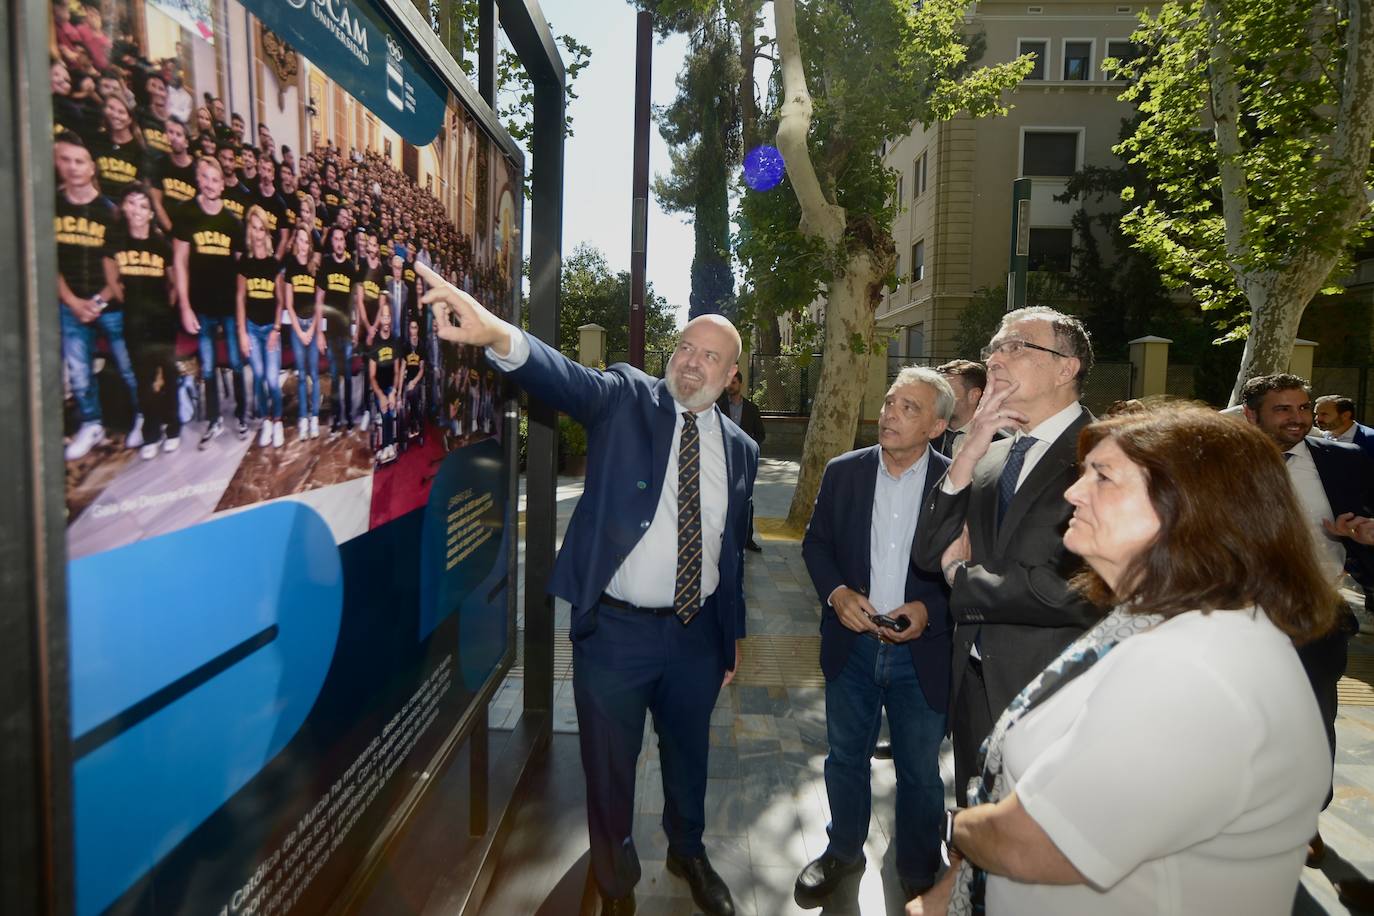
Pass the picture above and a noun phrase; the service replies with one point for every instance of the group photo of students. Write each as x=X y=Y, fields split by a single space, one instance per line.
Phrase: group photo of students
x=219 y=286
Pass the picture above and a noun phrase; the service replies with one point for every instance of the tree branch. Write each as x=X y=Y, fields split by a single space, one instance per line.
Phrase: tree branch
x=819 y=217
x=1225 y=102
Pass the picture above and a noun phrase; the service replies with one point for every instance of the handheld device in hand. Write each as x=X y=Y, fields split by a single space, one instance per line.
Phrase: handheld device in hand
x=896 y=624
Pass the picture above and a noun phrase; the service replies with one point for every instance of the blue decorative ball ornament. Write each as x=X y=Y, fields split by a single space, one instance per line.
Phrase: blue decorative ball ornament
x=764 y=168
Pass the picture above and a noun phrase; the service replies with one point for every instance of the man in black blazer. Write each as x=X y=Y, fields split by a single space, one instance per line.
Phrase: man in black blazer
x=745 y=414
x=1334 y=483
x=994 y=526
x=669 y=486
x=858 y=551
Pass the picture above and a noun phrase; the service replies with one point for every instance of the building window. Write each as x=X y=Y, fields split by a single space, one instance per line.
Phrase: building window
x=1041 y=49
x=898 y=268
x=1078 y=60
x=916 y=340
x=1124 y=51
x=901 y=180
x=918 y=262
x=1049 y=153
x=918 y=176
x=1051 y=249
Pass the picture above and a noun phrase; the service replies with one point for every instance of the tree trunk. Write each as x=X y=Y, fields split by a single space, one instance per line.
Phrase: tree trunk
x=1277 y=302
x=849 y=317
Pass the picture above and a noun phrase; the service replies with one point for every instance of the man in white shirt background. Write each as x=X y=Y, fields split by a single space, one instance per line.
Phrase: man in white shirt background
x=1335 y=416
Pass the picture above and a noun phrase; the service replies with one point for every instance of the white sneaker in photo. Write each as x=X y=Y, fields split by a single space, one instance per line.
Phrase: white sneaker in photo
x=171 y=444
x=211 y=431
x=244 y=431
x=135 y=437
x=302 y=427
x=362 y=424
x=150 y=451
x=86 y=438
x=278 y=434
x=314 y=427
x=265 y=436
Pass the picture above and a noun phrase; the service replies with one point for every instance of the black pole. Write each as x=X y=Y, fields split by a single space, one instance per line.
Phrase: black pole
x=639 y=215
x=486 y=52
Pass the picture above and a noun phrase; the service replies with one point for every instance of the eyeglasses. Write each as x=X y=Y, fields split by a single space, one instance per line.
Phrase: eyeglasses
x=1012 y=346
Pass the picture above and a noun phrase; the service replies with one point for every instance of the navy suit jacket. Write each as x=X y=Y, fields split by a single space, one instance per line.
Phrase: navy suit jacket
x=1347 y=476
x=1364 y=438
x=836 y=550
x=629 y=418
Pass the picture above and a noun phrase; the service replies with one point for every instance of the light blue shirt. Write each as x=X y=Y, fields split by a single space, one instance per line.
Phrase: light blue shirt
x=896 y=508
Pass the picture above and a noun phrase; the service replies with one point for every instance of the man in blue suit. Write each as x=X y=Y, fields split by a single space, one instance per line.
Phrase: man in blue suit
x=858 y=551
x=1334 y=483
x=669 y=488
x=1335 y=414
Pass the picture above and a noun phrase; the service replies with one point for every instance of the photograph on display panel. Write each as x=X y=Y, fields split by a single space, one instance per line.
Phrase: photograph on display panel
x=223 y=273
x=289 y=531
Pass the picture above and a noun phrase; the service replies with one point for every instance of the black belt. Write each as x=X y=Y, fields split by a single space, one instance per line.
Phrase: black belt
x=626 y=606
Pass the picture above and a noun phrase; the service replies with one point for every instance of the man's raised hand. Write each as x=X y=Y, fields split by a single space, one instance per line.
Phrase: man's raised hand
x=461 y=319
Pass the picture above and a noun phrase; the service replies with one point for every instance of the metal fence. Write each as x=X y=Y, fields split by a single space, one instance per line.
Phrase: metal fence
x=784 y=384
x=655 y=361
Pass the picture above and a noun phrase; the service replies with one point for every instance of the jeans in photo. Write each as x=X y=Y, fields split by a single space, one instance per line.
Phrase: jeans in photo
x=307 y=366
x=78 y=352
x=340 y=349
x=880 y=676
x=266 y=365
x=229 y=326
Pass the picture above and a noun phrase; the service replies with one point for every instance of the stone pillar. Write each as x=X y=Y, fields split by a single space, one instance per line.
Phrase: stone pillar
x=1150 y=362
x=1300 y=363
x=591 y=345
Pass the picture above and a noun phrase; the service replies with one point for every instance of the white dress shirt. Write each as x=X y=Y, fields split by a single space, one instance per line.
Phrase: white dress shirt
x=1316 y=508
x=648 y=576
x=1045 y=433
x=896 y=508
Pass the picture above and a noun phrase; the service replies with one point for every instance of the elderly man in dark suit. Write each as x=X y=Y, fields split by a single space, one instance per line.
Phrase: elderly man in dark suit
x=994 y=526
x=858 y=551
x=669 y=486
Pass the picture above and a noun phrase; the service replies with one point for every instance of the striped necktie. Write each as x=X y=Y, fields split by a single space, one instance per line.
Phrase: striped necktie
x=687 y=598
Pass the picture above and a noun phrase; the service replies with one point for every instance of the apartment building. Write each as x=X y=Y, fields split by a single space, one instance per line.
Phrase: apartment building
x=954 y=234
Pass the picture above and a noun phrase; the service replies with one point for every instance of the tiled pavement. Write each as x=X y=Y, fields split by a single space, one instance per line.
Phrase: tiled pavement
x=766 y=803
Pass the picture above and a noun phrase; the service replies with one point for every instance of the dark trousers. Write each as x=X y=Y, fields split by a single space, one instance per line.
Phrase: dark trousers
x=879 y=676
x=971 y=721
x=1324 y=661
x=155 y=367
x=629 y=664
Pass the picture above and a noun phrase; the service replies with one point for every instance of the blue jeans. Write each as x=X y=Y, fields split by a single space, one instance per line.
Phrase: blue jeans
x=307 y=366
x=266 y=365
x=229 y=325
x=78 y=347
x=881 y=676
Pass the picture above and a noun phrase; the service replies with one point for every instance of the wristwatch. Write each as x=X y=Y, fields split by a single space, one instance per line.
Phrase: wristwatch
x=947 y=847
x=99 y=302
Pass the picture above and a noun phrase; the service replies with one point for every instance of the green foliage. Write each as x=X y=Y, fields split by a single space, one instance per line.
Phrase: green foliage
x=979 y=320
x=572 y=438
x=873 y=68
x=1289 y=62
x=592 y=294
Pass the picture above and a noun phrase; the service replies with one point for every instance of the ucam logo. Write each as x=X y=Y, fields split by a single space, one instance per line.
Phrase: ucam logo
x=393 y=49
x=344 y=22
x=297 y=4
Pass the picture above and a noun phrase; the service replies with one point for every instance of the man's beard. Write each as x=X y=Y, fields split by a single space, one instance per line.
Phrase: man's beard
x=702 y=399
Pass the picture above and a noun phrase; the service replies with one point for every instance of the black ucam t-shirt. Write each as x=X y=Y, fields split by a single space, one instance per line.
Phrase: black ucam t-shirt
x=384 y=353
x=143 y=268
x=414 y=362
x=300 y=279
x=336 y=279
x=215 y=241
x=274 y=207
x=119 y=165
x=84 y=233
x=176 y=182
x=260 y=288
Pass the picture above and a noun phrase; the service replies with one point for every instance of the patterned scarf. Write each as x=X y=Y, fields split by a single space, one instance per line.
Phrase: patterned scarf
x=1082 y=654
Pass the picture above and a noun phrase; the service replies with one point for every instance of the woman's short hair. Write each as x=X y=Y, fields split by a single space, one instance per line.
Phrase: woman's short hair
x=1231 y=532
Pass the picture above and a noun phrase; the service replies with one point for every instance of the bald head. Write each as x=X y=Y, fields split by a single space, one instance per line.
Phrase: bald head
x=703 y=362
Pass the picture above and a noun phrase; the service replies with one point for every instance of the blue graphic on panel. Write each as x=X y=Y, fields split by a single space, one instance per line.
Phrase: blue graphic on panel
x=361 y=51
x=462 y=555
x=195 y=656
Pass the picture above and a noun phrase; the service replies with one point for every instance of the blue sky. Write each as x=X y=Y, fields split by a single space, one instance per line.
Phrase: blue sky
x=599 y=157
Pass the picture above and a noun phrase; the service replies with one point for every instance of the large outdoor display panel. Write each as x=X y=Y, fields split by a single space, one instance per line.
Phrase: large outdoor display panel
x=290 y=542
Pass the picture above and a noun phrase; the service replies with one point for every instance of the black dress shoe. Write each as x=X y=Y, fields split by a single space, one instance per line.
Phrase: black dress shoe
x=754 y=546
x=821 y=876
x=882 y=750
x=708 y=889
x=618 y=906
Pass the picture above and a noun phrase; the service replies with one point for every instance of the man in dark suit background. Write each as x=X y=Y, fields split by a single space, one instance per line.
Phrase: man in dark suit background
x=1334 y=483
x=745 y=414
x=669 y=486
x=968 y=380
x=994 y=526
x=858 y=551
x=1335 y=414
